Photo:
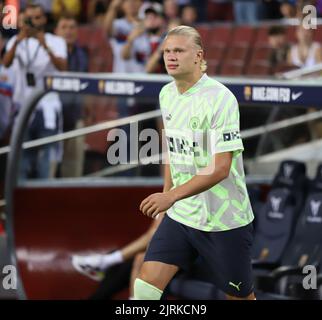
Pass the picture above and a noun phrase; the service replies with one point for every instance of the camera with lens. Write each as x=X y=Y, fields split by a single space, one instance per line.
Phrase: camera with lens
x=28 y=22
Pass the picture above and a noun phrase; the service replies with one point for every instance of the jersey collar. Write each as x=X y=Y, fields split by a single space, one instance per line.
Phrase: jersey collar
x=195 y=87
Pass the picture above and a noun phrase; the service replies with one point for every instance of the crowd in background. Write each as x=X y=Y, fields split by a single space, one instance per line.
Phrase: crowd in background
x=46 y=41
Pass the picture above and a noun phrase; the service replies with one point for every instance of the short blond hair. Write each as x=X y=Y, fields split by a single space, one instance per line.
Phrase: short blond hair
x=194 y=35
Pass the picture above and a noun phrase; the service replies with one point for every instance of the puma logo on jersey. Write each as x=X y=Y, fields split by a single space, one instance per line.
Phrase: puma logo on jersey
x=235 y=285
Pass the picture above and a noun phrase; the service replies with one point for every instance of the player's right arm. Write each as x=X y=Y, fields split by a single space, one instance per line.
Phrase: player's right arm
x=167 y=184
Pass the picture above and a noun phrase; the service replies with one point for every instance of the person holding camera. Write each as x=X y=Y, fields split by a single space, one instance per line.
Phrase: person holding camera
x=31 y=54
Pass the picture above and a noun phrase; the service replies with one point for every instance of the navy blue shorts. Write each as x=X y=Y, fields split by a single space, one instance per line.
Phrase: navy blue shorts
x=225 y=255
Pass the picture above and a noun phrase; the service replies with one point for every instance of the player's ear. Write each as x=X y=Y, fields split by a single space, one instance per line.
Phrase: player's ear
x=200 y=55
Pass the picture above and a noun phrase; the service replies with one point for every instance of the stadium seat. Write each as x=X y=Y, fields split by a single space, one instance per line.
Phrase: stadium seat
x=232 y=68
x=261 y=36
x=305 y=248
x=291 y=33
x=260 y=53
x=214 y=54
x=317 y=34
x=243 y=34
x=219 y=35
x=276 y=220
x=258 y=69
x=237 y=52
x=204 y=31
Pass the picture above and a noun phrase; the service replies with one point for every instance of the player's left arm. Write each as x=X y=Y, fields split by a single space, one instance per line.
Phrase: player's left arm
x=217 y=171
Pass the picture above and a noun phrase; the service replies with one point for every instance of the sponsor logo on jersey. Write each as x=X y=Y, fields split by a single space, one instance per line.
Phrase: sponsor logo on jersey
x=230 y=136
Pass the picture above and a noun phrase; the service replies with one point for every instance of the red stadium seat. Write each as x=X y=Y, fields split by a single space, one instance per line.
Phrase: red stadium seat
x=237 y=52
x=261 y=37
x=243 y=34
x=291 y=33
x=317 y=34
x=215 y=51
x=258 y=69
x=204 y=31
x=213 y=66
x=232 y=69
x=219 y=35
x=261 y=53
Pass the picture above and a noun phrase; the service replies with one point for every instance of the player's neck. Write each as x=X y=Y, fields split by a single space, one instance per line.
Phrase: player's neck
x=185 y=83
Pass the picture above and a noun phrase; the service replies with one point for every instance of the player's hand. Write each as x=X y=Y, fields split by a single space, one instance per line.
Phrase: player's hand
x=41 y=38
x=21 y=35
x=116 y=4
x=138 y=30
x=157 y=203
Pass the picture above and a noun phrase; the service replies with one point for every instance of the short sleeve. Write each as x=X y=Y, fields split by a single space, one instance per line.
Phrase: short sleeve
x=10 y=43
x=58 y=47
x=224 y=126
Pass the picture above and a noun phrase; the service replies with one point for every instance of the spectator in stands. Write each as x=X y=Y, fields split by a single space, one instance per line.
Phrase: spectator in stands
x=288 y=9
x=280 y=47
x=171 y=9
x=141 y=44
x=96 y=12
x=73 y=156
x=6 y=79
x=118 y=30
x=32 y=54
x=47 y=7
x=155 y=63
x=145 y=37
x=246 y=12
x=306 y=52
x=189 y=16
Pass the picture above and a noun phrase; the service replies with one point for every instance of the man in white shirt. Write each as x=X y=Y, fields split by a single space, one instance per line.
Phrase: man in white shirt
x=32 y=54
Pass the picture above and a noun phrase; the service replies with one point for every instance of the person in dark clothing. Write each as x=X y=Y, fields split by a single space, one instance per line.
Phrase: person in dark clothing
x=73 y=158
x=280 y=46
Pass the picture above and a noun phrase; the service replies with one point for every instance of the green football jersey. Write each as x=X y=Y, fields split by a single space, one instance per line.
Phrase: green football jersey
x=198 y=124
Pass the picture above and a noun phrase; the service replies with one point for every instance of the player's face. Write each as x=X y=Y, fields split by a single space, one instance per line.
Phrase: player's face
x=180 y=56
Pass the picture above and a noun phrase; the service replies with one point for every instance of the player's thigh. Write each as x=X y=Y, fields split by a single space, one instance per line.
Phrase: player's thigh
x=170 y=245
x=230 y=264
x=157 y=273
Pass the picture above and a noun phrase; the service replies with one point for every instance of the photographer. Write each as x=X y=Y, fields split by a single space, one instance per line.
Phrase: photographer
x=31 y=54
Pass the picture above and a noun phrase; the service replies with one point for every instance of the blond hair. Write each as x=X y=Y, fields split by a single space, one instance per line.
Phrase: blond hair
x=194 y=35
